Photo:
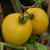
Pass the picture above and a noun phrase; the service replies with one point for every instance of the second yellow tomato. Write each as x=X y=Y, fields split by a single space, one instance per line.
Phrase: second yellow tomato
x=39 y=20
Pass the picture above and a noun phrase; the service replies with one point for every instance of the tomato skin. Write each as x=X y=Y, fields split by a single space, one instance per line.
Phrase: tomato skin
x=14 y=32
x=39 y=21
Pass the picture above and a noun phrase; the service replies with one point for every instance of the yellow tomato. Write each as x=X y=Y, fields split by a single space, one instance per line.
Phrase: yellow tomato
x=14 y=32
x=39 y=20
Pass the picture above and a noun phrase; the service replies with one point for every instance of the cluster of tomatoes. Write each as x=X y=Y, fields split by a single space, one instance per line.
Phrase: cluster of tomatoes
x=17 y=28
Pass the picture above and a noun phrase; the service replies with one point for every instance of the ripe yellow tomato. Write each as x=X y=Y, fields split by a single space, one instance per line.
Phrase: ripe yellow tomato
x=14 y=32
x=39 y=20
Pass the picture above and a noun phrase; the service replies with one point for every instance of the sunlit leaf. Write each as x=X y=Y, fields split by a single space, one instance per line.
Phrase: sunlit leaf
x=40 y=46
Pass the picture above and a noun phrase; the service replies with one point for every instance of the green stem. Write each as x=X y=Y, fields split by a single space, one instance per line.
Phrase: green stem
x=17 y=6
x=14 y=5
x=37 y=4
x=2 y=45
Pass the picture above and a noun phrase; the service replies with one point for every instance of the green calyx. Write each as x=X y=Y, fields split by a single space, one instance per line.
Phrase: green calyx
x=23 y=19
x=30 y=15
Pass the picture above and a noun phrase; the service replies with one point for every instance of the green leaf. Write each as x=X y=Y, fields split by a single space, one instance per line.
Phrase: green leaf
x=37 y=46
x=40 y=46
x=30 y=44
x=47 y=37
x=32 y=39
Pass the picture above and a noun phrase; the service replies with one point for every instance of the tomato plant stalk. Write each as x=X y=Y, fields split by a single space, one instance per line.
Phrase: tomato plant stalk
x=17 y=7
